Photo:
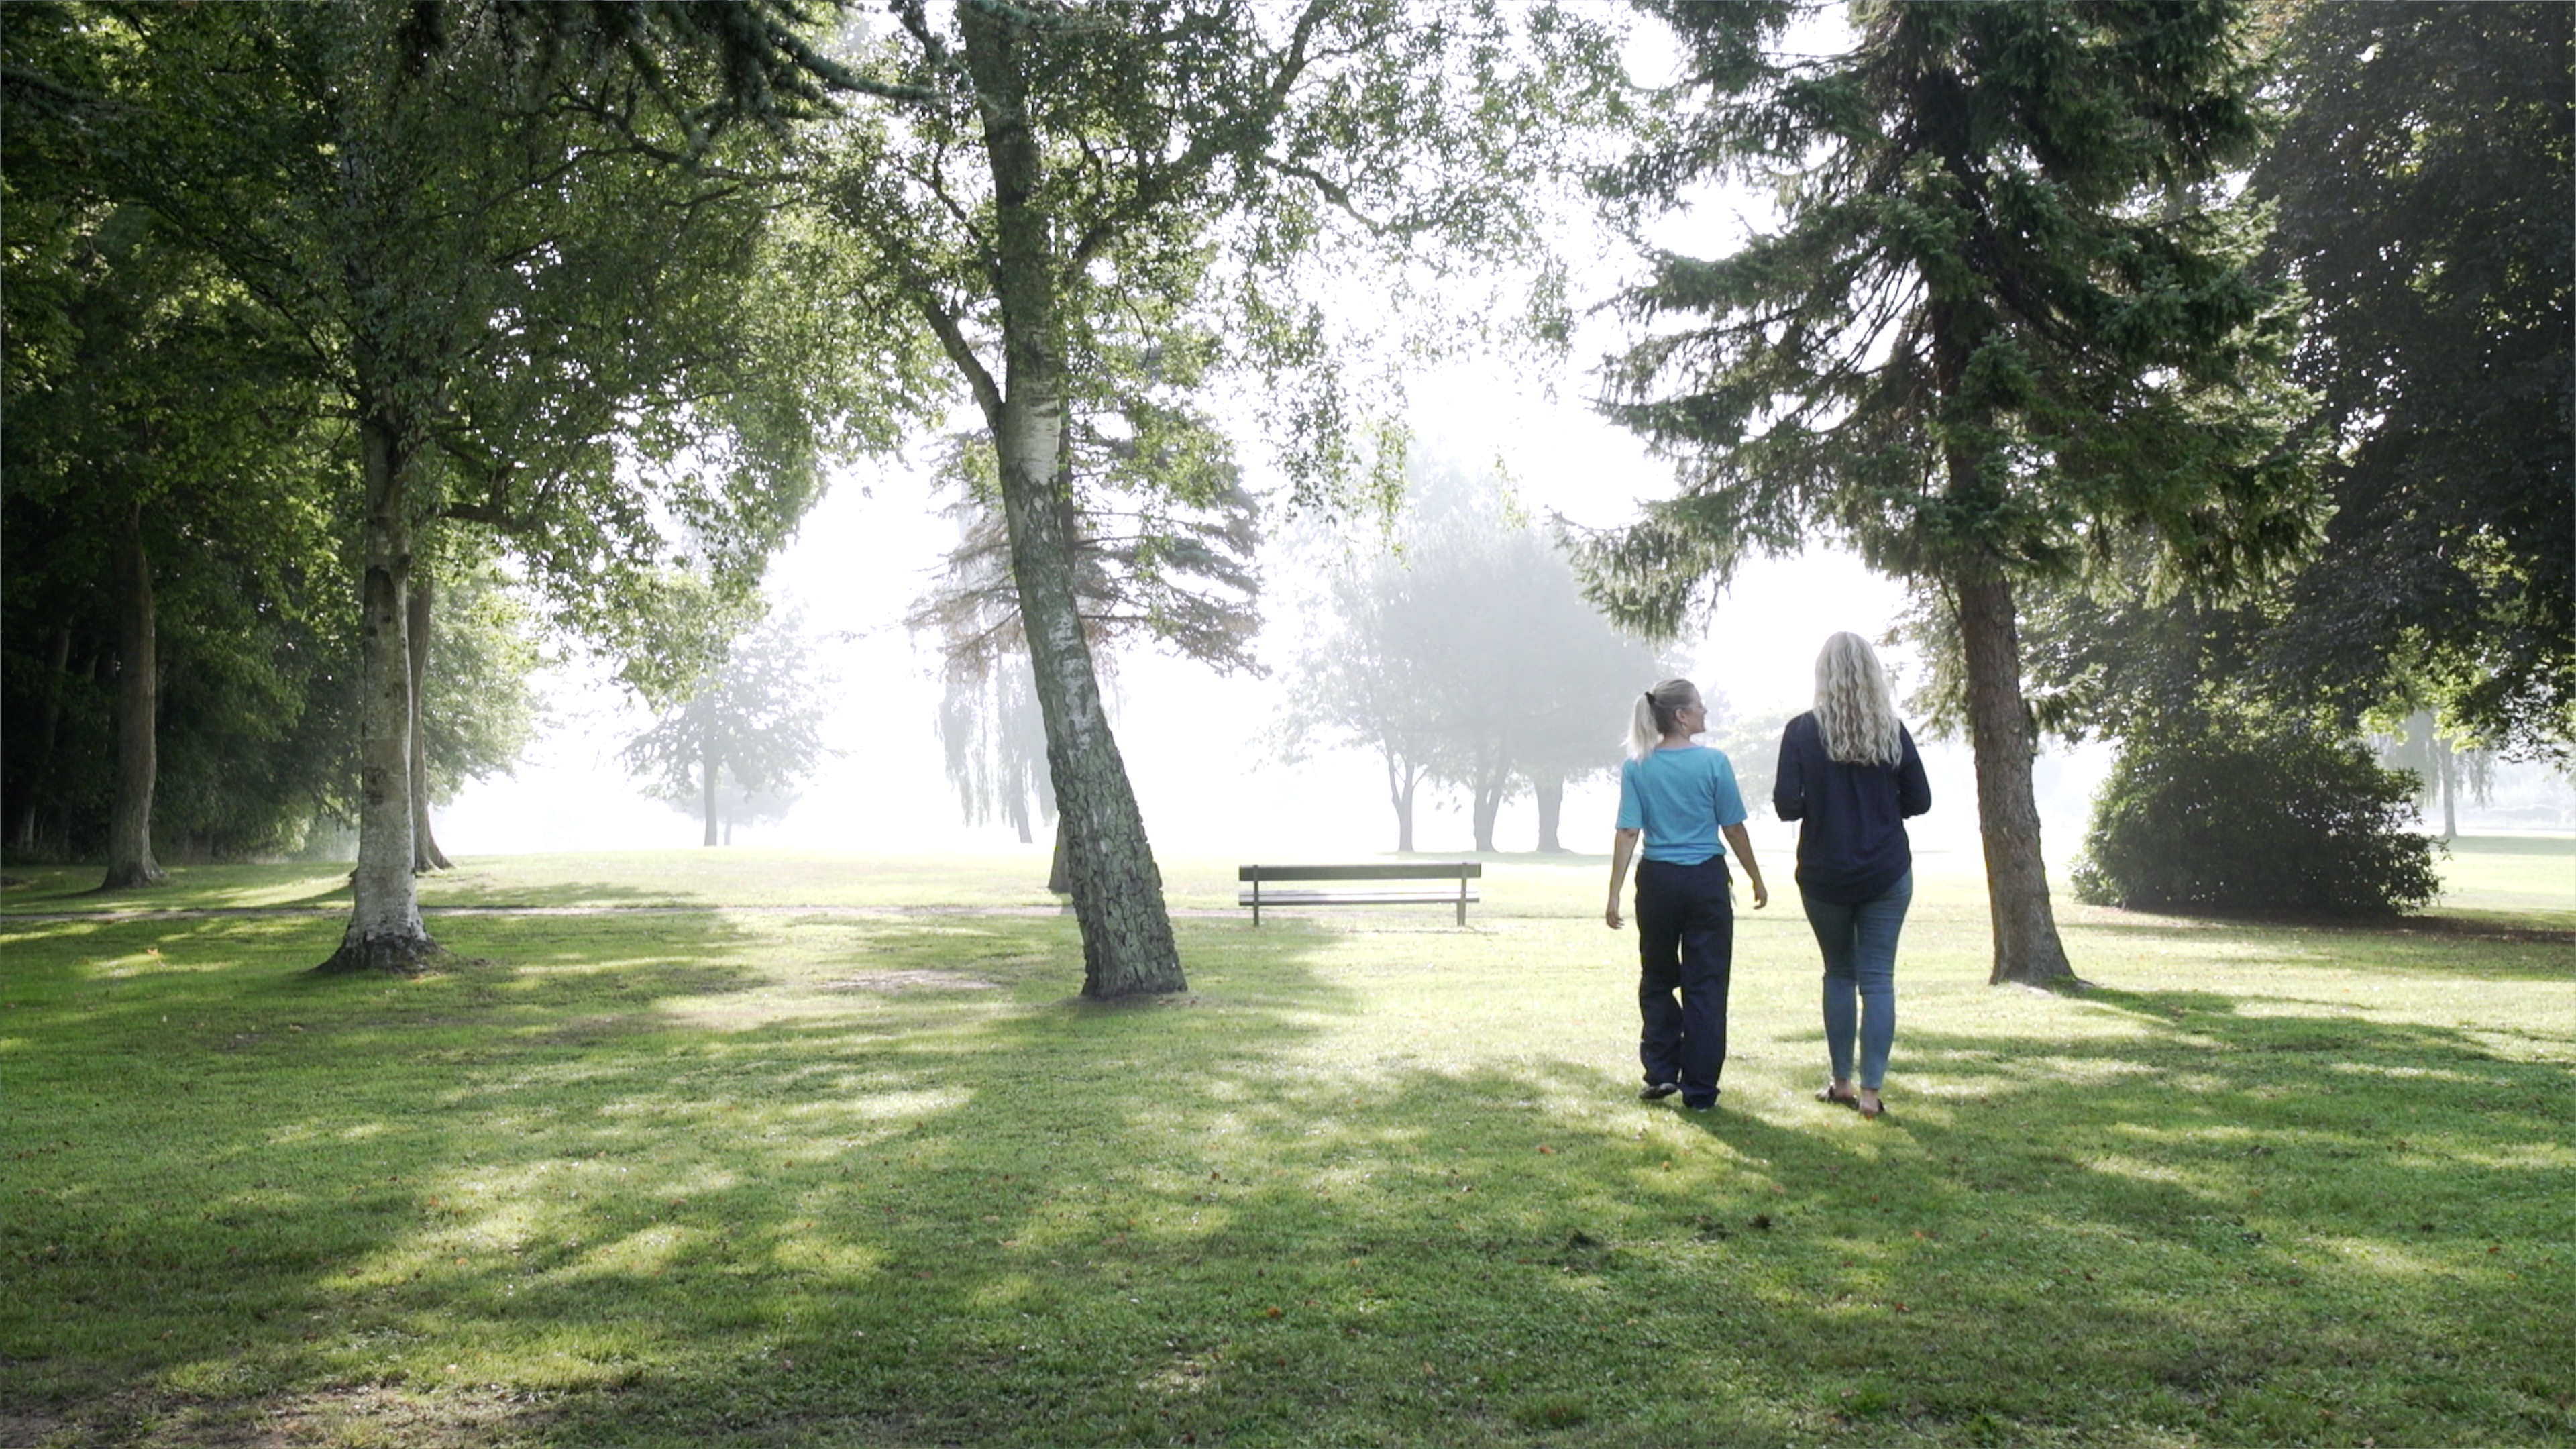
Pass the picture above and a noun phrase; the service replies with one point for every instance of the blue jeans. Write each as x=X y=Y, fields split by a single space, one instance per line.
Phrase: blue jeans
x=1685 y=945
x=1859 y=942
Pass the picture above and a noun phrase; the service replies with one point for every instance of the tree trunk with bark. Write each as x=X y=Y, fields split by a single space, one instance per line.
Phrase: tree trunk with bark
x=1059 y=872
x=385 y=931
x=1127 y=944
x=420 y=606
x=2027 y=948
x=2449 y=765
x=138 y=695
x=710 y=763
x=1492 y=783
x=1550 y=793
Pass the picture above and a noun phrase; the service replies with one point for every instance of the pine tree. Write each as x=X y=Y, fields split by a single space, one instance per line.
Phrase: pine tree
x=2000 y=328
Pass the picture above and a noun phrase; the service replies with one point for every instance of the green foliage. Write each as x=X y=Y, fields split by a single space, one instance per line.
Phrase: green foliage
x=2426 y=190
x=2226 y=813
x=479 y=706
x=1163 y=536
x=1212 y=176
x=590 y=334
x=1998 y=329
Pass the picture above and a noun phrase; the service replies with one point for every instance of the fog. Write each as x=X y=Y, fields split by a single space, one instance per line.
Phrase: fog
x=1199 y=746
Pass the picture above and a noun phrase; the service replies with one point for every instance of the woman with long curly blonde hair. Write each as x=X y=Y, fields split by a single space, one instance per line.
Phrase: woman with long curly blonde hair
x=1850 y=776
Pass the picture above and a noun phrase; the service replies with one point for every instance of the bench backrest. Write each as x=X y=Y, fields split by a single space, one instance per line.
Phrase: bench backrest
x=1409 y=870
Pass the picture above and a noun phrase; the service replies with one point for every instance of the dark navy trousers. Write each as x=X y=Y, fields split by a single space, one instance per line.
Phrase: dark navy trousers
x=1686 y=950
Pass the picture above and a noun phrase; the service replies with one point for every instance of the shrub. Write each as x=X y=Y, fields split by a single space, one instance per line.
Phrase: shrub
x=2226 y=814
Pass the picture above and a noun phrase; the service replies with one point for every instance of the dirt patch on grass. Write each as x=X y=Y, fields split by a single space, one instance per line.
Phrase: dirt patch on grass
x=907 y=981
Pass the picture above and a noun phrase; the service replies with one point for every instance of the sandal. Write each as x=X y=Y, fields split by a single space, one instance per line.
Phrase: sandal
x=1828 y=1094
x=1870 y=1114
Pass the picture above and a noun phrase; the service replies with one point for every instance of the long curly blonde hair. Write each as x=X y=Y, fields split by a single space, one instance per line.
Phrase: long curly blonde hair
x=1854 y=710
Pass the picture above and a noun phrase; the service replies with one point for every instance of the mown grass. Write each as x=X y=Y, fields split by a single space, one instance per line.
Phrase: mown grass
x=763 y=1177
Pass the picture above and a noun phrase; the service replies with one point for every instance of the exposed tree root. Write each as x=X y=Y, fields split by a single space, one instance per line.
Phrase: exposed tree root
x=129 y=877
x=384 y=956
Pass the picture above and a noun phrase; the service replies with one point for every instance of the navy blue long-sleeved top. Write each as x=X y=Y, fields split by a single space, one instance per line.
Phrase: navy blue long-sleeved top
x=1852 y=845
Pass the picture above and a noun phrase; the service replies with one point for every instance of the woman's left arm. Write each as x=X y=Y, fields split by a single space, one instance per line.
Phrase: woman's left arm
x=1743 y=844
x=1913 y=788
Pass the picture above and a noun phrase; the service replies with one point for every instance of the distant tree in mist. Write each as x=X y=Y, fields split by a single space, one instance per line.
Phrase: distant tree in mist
x=993 y=741
x=2443 y=766
x=1469 y=659
x=1163 y=538
x=737 y=747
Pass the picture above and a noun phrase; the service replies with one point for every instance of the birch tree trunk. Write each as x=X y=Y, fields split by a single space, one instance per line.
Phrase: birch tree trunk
x=2027 y=949
x=138 y=695
x=385 y=931
x=1127 y=945
x=420 y=605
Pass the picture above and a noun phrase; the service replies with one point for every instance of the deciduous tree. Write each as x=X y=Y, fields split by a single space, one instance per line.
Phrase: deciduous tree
x=525 y=286
x=2426 y=187
x=1050 y=184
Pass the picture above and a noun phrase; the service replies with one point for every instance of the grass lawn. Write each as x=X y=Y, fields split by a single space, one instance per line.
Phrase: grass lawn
x=727 y=1172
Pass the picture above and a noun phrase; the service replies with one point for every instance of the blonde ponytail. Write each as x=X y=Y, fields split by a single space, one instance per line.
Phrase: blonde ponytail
x=1655 y=713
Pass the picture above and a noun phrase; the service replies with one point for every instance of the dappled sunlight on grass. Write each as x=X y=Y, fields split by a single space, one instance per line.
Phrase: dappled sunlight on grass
x=730 y=1176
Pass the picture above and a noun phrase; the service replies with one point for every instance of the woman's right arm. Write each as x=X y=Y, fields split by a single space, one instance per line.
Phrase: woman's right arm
x=1622 y=849
x=1788 y=778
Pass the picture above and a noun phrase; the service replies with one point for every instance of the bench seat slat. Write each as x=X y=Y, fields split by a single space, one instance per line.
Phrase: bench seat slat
x=1271 y=897
x=1408 y=870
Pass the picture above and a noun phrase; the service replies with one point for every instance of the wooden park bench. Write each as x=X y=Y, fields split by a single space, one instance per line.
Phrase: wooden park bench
x=1264 y=892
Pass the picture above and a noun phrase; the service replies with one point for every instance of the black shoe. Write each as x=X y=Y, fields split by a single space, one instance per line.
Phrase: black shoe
x=1708 y=1106
x=1657 y=1091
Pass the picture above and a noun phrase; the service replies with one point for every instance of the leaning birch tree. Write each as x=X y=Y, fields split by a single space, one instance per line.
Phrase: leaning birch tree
x=2000 y=330
x=1039 y=177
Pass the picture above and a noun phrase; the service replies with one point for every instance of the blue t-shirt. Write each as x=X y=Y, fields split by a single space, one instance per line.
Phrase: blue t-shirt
x=1680 y=798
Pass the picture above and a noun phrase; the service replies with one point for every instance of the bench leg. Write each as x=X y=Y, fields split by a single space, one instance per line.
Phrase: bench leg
x=1462 y=900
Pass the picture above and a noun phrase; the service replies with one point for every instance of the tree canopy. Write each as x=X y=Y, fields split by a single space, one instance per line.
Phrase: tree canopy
x=2426 y=188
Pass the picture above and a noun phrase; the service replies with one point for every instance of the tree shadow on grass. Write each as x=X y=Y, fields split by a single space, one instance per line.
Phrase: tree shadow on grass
x=763 y=1208
x=1179 y=1237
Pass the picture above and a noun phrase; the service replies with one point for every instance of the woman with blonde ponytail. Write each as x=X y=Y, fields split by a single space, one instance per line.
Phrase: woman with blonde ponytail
x=1850 y=775
x=1678 y=797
